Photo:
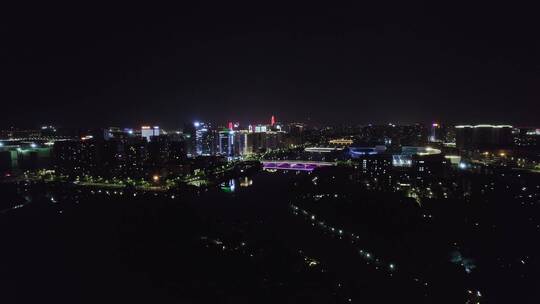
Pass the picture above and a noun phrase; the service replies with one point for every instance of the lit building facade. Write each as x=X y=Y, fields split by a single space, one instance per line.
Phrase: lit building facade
x=205 y=139
x=147 y=132
x=483 y=136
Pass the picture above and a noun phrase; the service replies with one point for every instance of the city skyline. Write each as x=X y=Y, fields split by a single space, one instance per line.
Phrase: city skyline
x=245 y=125
x=266 y=152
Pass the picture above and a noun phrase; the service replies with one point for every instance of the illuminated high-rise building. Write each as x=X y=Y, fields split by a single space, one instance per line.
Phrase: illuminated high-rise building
x=233 y=143
x=240 y=142
x=483 y=136
x=205 y=139
x=433 y=135
x=147 y=132
x=263 y=141
x=260 y=128
x=226 y=143
x=438 y=133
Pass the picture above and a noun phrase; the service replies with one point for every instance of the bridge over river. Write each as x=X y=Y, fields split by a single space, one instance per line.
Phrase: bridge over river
x=296 y=165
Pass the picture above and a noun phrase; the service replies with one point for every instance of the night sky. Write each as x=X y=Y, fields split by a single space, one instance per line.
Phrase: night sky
x=357 y=64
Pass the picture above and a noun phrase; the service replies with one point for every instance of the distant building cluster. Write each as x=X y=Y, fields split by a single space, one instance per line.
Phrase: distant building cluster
x=234 y=141
x=483 y=136
x=148 y=150
x=121 y=153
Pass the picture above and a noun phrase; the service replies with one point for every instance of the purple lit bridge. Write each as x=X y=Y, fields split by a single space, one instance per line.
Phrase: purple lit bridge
x=296 y=165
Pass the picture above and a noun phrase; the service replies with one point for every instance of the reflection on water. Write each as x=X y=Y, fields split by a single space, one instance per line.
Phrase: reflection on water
x=246 y=181
x=230 y=186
